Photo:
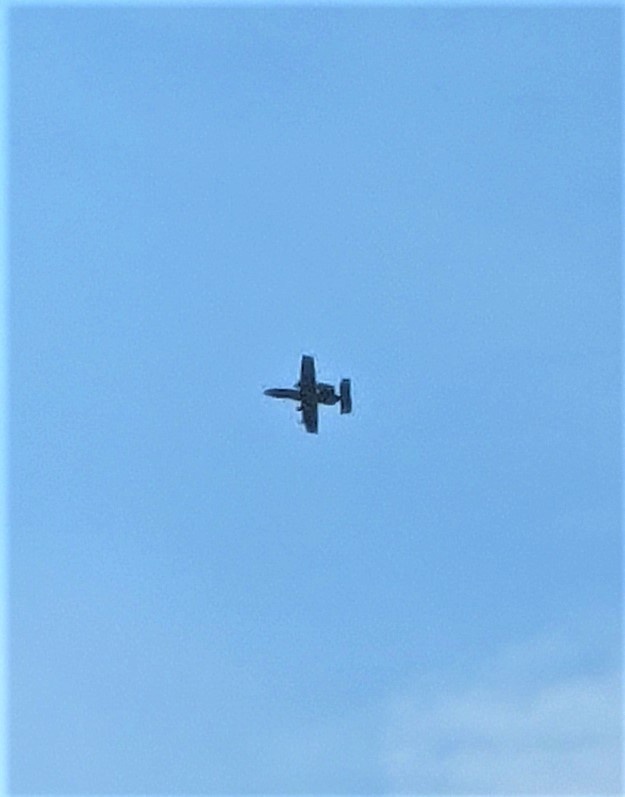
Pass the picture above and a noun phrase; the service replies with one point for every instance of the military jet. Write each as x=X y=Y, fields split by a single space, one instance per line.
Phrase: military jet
x=311 y=393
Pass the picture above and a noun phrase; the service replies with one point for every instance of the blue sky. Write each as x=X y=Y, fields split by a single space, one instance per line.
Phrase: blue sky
x=425 y=597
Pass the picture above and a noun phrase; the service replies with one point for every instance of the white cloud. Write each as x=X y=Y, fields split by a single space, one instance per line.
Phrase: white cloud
x=517 y=729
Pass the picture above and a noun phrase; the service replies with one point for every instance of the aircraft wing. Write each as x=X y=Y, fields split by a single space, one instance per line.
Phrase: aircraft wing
x=310 y=415
x=308 y=393
x=307 y=379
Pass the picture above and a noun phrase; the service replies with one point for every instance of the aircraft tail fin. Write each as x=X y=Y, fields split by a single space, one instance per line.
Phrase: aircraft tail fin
x=346 y=396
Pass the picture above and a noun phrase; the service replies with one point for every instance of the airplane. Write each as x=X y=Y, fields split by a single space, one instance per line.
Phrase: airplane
x=311 y=393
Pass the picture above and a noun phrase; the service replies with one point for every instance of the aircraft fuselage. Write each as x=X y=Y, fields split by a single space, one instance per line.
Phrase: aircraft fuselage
x=323 y=394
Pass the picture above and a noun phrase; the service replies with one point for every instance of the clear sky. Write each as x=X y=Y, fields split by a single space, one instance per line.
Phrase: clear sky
x=425 y=597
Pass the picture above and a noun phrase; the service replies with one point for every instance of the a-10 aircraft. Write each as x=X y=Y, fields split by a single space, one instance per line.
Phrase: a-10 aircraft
x=311 y=393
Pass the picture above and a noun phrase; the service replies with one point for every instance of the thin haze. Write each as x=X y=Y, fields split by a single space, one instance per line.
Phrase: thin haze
x=425 y=597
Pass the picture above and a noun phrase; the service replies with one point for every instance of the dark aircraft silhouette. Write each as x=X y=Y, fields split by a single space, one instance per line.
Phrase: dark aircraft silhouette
x=311 y=393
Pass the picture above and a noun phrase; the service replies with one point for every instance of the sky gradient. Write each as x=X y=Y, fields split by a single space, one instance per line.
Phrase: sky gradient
x=425 y=597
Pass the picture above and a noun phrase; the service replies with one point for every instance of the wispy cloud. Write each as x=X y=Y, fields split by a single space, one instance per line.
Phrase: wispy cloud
x=529 y=724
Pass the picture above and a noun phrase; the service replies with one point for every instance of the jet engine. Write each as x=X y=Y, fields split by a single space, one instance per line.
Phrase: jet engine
x=325 y=393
